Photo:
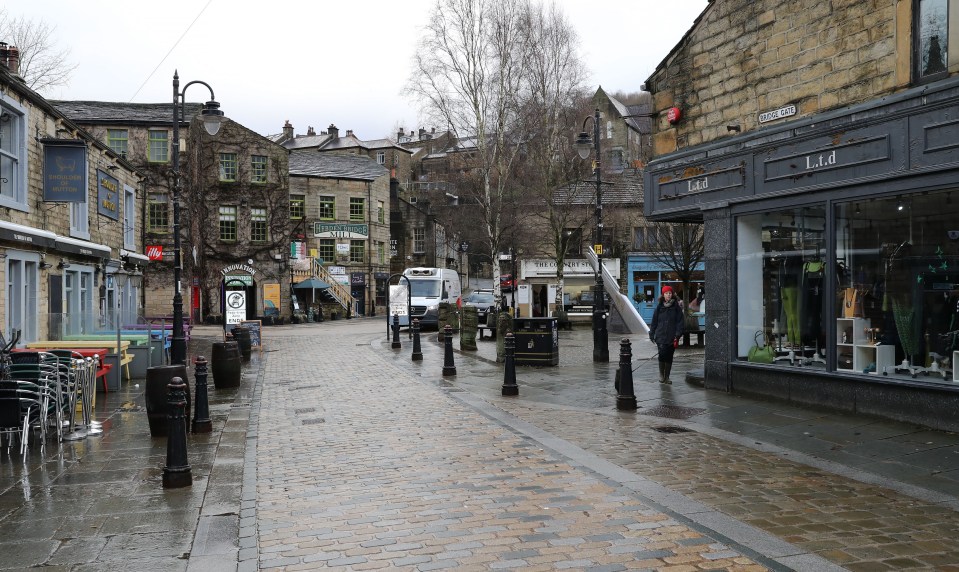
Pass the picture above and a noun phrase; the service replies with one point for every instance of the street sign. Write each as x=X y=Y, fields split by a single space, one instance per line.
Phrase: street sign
x=598 y=248
x=235 y=307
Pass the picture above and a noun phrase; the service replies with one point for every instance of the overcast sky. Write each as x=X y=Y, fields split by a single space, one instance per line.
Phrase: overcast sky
x=312 y=62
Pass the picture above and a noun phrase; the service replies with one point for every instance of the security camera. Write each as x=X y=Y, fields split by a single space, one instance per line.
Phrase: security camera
x=953 y=234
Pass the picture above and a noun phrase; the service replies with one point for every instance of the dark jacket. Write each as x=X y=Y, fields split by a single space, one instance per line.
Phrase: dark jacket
x=668 y=323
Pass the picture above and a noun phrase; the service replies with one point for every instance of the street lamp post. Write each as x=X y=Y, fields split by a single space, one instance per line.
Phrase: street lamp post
x=585 y=144
x=212 y=117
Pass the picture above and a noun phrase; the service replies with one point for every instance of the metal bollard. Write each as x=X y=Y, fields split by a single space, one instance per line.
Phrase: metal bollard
x=625 y=398
x=509 y=377
x=396 y=332
x=177 y=472
x=417 y=351
x=448 y=368
x=201 y=409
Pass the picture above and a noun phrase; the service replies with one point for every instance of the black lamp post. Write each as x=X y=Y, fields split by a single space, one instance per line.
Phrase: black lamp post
x=585 y=144
x=212 y=117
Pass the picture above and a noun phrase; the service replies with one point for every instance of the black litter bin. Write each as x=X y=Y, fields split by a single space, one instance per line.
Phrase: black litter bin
x=537 y=341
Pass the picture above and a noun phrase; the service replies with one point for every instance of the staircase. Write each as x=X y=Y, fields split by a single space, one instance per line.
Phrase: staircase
x=340 y=292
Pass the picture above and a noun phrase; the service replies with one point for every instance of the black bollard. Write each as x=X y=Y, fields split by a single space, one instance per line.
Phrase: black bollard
x=396 y=332
x=448 y=368
x=177 y=472
x=201 y=409
x=417 y=351
x=625 y=398
x=509 y=377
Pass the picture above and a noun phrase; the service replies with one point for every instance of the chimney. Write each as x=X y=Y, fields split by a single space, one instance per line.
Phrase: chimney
x=333 y=131
x=349 y=132
x=10 y=58
x=287 y=130
x=399 y=134
x=310 y=131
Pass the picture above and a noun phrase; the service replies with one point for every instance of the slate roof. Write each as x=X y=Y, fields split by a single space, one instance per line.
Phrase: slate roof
x=643 y=125
x=112 y=112
x=625 y=188
x=306 y=141
x=311 y=163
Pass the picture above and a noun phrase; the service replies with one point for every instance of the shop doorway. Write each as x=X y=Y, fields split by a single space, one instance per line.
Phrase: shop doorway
x=244 y=284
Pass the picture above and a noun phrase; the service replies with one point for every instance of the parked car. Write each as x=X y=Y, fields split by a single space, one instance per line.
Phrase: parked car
x=507 y=283
x=482 y=300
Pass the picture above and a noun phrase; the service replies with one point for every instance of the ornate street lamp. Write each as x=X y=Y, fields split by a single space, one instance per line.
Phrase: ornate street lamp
x=585 y=144
x=212 y=118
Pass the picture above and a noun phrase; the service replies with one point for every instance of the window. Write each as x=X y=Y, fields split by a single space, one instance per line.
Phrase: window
x=931 y=40
x=381 y=252
x=357 y=208
x=159 y=146
x=23 y=289
x=13 y=155
x=380 y=212
x=297 y=207
x=419 y=241
x=80 y=218
x=357 y=250
x=381 y=157
x=574 y=241
x=639 y=234
x=228 y=224
x=327 y=208
x=158 y=214
x=117 y=141
x=780 y=285
x=327 y=249
x=258 y=226
x=258 y=168
x=129 y=217
x=228 y=166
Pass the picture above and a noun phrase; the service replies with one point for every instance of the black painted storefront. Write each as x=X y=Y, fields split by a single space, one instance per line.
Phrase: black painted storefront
x=898 y=146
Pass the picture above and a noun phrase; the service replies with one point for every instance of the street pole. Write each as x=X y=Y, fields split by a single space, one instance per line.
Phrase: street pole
x=600 y=334
x=212 y=117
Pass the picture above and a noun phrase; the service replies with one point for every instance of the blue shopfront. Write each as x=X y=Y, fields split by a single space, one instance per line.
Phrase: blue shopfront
x=647 y=276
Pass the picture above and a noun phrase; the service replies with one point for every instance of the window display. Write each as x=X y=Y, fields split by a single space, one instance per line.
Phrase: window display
x=892 y=289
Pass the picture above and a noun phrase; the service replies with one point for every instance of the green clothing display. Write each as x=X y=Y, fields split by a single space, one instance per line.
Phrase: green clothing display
x=790 y=300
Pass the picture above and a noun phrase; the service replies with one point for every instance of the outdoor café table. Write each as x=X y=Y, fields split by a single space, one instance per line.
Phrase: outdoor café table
x=110 y=346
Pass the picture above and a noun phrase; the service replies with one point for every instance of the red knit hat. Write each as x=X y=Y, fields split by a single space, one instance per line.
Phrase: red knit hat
x=666 y=289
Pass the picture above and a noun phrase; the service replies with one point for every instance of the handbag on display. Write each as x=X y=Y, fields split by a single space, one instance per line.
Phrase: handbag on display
x=761 y=354
x=851 y=303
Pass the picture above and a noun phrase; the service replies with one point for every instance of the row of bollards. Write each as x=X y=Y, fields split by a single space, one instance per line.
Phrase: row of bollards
x=625 y=395
x=177 y=472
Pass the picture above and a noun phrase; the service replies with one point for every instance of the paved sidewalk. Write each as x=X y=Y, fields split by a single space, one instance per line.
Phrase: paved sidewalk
x=338 y=451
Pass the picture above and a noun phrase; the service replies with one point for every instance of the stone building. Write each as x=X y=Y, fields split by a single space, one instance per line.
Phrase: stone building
x=344 y=220
x=234 y=215
x=815 y=142
x=70 y=221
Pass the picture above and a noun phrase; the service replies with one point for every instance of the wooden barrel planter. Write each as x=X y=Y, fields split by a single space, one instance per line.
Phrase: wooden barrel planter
x=242 y=336
x=225 y=364
x=157 y=398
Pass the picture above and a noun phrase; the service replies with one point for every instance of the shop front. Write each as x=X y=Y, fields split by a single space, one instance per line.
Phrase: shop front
x=839 y=240
x=539 y=288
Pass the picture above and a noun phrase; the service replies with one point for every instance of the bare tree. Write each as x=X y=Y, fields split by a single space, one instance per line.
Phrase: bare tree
x=42 y=65
x=678 y=246
x=469 y=73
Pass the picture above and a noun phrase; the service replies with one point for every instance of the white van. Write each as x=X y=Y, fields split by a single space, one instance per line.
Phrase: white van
x=428 y=288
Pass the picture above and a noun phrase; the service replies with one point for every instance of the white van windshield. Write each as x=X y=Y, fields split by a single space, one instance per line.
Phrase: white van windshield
x=425 y=288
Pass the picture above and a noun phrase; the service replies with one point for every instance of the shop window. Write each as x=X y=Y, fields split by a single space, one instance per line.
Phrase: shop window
x=931 y=40
x=780 y=284
x=897 y=287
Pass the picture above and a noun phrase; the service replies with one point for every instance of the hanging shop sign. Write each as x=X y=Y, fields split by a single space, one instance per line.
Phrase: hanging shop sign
x=64 y=171
x=339 y=230
x=108 y=195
